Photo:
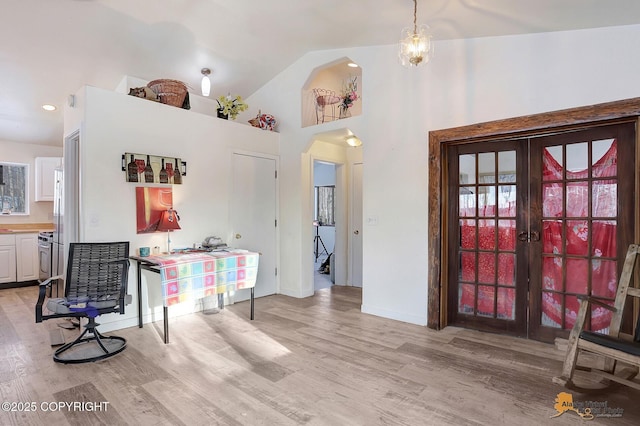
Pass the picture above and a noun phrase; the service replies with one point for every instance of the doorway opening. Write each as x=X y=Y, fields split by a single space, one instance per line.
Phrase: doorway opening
x=332 y=161
x=324 y=239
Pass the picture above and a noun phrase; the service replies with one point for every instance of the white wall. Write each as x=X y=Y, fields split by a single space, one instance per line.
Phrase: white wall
x=468 y=81
x=111 y=124
x=14 y=152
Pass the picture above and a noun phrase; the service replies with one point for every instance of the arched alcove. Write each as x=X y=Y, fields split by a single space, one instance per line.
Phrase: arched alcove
x=325 y=91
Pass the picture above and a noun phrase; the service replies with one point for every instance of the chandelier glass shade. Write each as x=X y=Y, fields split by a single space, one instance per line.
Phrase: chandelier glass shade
x=416 y=47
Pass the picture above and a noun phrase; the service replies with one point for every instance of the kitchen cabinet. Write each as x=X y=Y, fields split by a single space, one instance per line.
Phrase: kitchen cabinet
x=27 y=267
x=7 y=259
x=18 y=257
x=45 y=183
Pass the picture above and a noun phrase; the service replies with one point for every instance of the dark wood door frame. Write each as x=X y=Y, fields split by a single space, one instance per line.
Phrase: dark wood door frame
x=538 y=124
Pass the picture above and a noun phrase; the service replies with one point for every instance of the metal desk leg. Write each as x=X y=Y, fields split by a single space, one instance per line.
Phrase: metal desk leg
x=165 y=311
x=139 y=296
x=251 y=303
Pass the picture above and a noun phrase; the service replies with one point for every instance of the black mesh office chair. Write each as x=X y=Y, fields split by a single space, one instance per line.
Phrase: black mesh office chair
x=96 y=284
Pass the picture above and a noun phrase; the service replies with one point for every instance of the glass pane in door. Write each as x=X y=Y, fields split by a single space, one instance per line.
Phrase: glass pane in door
x=487 y=261
x=578 y=235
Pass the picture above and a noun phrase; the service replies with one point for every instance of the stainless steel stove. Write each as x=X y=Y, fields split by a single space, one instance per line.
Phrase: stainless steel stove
x=45 y=242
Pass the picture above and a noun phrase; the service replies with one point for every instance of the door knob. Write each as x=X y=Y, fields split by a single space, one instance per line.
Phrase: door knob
x=525 y=236
x=238 y=236
x=356 y=232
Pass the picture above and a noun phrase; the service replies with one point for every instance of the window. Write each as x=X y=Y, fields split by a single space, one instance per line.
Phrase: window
x=325 y=208
x=14 y=184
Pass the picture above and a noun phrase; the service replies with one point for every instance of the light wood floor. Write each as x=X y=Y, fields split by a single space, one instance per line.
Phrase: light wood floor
x=314 y=361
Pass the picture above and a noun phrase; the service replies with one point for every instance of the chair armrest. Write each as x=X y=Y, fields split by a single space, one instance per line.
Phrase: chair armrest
x=125 y=299
x=583 y=311
x=42 y=292
x=48 y=280
x=581 y=317
x=589 y=299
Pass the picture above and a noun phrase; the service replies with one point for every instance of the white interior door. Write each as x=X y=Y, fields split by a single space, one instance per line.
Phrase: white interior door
x=356 y=225
x=253 y=215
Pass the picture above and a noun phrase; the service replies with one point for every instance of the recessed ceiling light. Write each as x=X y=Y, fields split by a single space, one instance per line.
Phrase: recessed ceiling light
x=48 y=107
x=353 y=141
x=352 y=65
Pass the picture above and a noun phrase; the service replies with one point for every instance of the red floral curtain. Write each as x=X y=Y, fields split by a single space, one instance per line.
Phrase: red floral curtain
x=602 y=234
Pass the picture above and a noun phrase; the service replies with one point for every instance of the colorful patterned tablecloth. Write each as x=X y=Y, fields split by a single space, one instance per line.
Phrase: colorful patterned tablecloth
x=192 y=276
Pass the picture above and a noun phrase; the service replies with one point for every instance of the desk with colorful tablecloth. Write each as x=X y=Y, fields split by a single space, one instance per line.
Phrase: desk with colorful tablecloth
x=191 y=276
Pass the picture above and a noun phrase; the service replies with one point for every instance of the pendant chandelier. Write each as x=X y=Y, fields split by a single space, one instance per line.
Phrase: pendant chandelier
x=415 y=44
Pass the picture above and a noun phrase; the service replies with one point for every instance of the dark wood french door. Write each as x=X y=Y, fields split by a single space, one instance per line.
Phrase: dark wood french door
x=535 y=222
x=488 y=288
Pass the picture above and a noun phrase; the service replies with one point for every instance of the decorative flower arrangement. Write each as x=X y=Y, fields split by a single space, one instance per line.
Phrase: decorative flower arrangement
x=349 y=95
x=231 y=106
x=264 y=121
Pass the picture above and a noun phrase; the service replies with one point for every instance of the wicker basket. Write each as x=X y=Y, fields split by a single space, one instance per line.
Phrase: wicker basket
x=170 y=92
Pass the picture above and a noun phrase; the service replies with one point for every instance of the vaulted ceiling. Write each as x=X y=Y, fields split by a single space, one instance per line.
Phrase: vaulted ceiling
x=50 y=48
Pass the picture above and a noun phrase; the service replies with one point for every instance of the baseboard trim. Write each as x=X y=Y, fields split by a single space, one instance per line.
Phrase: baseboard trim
x=19 y=284
x=394 y=315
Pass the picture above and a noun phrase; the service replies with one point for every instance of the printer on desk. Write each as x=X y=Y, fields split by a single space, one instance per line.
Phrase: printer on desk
x=214 y=243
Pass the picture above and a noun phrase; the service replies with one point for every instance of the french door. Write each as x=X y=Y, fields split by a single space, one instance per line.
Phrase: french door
x=534 y=223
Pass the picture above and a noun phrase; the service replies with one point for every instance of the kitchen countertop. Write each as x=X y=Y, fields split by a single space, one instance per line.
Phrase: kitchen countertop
x=25 y=228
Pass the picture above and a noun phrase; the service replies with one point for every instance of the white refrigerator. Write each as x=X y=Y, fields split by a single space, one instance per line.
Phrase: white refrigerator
x=66 y=204
x=57 y=249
